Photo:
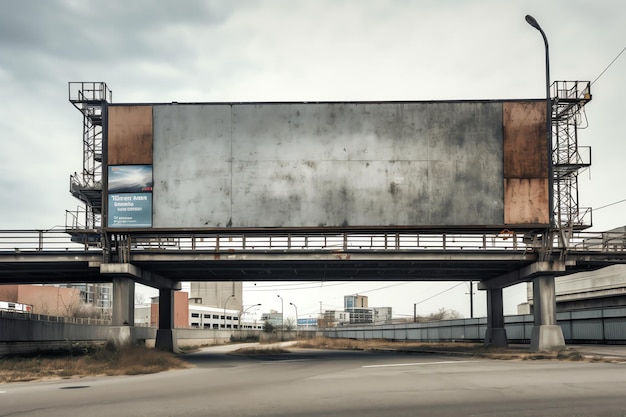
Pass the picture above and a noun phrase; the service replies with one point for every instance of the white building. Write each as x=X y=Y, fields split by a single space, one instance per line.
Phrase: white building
x=333 y=318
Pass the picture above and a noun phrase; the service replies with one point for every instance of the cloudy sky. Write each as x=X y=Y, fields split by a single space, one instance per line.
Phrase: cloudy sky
x=288 y=50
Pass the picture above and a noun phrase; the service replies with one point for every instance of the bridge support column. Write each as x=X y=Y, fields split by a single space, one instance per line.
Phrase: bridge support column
x=166 y=336
x=123 y=317
x=546 y=335
x=495 y=335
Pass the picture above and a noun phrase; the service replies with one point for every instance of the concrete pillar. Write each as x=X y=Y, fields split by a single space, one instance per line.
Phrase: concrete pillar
x=495 y=336
x=123 y=317
x=123 y=302
x=546 y=335
x=166 y=336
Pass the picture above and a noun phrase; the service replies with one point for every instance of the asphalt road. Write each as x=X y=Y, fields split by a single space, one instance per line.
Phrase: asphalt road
x=335 y=383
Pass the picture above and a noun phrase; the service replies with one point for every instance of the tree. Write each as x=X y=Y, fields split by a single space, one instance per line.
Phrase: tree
x=140 y=298
x=290 y=323
x=443 y=314
x=268 y=327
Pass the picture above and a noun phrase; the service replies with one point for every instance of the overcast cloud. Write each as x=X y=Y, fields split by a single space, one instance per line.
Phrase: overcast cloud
x=162 y=51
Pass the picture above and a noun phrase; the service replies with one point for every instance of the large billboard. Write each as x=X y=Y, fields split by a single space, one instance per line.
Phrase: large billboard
x=445 y=164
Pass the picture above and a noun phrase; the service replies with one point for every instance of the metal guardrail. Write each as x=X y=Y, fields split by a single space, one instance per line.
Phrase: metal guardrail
x=19 y=315
x=37 y=241
x=59 y=240
x=329 y=242
x=606 y=325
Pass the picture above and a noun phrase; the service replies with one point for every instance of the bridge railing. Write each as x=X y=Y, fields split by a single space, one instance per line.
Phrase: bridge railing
x=395 y=241
x=598 y=242
x=59 y=240
x=37 y=240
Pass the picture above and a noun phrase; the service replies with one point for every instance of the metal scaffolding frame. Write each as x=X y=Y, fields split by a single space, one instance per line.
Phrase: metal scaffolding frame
x=568 y=100
x=91 y=99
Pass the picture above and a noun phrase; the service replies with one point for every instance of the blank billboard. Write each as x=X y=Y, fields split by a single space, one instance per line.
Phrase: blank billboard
x=343 y=165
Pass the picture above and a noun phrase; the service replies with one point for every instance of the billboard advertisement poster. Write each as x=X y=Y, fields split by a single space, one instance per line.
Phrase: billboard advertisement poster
x=130 y=196
x=130 y=210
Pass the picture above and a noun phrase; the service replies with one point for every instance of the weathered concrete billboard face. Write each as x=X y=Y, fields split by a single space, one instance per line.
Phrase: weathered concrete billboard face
x=405 y=164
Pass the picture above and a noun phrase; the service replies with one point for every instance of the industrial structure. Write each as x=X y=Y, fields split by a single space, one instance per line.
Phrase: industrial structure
x=241 y=167
x=444 y=190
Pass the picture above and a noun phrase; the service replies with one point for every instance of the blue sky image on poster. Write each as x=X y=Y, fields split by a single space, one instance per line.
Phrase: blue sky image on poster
x=130 y=179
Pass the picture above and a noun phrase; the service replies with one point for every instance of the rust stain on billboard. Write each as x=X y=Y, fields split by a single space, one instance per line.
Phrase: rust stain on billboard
x=129 y=135
x=526 y=201
x=525 y=150
x=525 y=163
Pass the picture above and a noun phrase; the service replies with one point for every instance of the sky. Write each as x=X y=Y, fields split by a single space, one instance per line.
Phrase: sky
x=288 y=50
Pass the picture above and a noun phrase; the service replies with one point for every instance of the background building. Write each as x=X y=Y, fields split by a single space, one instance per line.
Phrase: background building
x=273 y=317
x=53 y=301
x=334 y=318
x=96 y=295
x=188 y=313
x=218 y=294
x=381 y=315
x=354 y=301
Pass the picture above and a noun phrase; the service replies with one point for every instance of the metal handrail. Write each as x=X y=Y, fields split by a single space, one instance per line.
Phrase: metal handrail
x=59 y=240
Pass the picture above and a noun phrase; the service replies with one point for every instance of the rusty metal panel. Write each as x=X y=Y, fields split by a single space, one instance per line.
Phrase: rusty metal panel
x=525 y=147
x=129 y=135
x=526 y=201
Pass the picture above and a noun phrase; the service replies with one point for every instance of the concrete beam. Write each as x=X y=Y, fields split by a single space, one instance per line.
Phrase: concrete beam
x=139 y=275
x=524 y=274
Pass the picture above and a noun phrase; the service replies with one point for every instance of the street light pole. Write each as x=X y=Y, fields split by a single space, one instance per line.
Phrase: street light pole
x=225 y=302
x=533 y=22
x=296 y=307
x=282 y=317
x=244 y=312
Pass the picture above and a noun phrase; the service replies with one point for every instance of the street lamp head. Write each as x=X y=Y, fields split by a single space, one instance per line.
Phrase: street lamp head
x=291 y=304
x=533 y=22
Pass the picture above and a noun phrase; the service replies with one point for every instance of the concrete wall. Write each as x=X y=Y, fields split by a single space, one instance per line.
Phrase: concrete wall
x=587 y=326
x=339 y=164
x=19 y=333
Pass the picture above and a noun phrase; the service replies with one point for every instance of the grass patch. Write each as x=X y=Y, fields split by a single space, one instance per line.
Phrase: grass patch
x=132 y=360
x=458 y=348
x=258 y=350
x=352 y=344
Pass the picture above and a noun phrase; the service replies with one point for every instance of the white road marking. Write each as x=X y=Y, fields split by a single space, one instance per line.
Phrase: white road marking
x=414 y=364
x=3 y=392
x=283 y=361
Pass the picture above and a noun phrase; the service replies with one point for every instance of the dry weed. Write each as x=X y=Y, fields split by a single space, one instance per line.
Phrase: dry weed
x=260 y=350
x=103 y=361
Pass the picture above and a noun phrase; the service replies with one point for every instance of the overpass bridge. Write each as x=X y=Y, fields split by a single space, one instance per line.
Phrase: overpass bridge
x=162 y=259
x=482 y=190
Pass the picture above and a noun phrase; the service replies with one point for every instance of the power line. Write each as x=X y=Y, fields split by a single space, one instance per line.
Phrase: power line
x=285 y=287
x=608 y=66
x=439 y=293
x=609 y=205
x=385 y=287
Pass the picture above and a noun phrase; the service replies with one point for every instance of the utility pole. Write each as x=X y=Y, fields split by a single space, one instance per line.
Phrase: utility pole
x=471 y=294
